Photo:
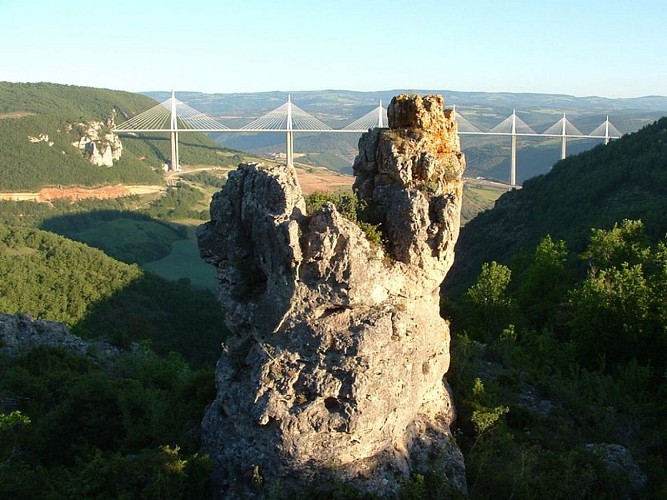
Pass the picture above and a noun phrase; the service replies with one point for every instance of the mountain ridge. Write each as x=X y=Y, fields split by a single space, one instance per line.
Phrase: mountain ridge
x=487 y=156
x=626 y=179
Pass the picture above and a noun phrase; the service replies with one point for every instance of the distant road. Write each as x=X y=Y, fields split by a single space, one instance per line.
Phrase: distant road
x=489 y=183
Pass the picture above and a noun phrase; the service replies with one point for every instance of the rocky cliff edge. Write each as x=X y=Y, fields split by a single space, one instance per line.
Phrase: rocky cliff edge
x=335 y=371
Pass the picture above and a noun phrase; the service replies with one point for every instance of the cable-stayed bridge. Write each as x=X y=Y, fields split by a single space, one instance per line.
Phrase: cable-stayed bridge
x=173 y=116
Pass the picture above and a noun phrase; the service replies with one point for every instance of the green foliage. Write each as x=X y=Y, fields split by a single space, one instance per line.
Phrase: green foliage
x=618 y=309
x=581 y=360
x=32 y=109
x=544 y=283
x=433 y=486
x=625 y=243
x=350 y=207
x=177 y=203
x=126 y=431
x=61 y=280
x=15 y=418
x=206 y=178
x=486 y=307
x=484 y=419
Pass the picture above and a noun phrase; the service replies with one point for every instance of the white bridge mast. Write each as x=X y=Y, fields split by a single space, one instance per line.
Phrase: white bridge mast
x=289 y=147
x=174 y=166
x=513 y=161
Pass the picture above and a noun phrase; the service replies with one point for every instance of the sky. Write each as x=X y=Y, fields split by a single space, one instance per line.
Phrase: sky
x=609 y=48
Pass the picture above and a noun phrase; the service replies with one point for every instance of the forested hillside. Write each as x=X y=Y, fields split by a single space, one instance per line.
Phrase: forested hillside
x=53 y=278
x=559 y=330
x=626 y=179
x=51 y=113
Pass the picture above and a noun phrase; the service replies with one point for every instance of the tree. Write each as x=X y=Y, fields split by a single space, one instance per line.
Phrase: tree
x=626 y=242
x=486 y=307
x=545 y=285
x=618 y=310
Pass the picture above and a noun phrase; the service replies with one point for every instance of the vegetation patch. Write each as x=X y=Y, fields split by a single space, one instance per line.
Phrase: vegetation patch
x=130 y=430
x=350 y=207
x=125 y=236
x=97 y=296
x=184 y=264
x=549 y=357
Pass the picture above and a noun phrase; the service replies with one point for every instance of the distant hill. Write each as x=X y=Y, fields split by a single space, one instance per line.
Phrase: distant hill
x=488 y=157
x=626 y=179
x=50 y=114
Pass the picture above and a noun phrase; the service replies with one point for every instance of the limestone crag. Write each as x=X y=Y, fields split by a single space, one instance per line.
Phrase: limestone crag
x=335 y=371
x=20 y=333
x=96 y=141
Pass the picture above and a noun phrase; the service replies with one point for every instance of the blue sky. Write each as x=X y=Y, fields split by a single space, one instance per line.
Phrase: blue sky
x=611 y=48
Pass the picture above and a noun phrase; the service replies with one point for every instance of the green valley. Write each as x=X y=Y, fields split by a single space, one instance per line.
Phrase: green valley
x=556 y=302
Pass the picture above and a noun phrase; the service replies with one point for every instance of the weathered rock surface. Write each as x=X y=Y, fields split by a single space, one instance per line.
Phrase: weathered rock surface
x=20 y=333
x=618 y=460
x=336 y=368
x=96 y=141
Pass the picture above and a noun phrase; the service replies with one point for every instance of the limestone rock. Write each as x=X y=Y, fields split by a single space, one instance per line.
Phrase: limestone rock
x=618 y=460
x=97 y=143
x=40 y=138
x=335 y=371
x=19 y=333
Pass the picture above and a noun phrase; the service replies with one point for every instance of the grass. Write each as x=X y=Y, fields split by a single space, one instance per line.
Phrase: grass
x=477 y=198
x=183 y=262
x=128 y=240
x=486 y=192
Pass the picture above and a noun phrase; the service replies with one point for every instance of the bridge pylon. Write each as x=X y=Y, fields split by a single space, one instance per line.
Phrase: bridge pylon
x=513 y=161
x=289 y=135
x=174 y=165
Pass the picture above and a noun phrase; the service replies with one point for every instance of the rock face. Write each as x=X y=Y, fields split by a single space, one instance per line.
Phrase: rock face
x=19 y=333
x=336 y=368
x=97 y=143
x=618 y=460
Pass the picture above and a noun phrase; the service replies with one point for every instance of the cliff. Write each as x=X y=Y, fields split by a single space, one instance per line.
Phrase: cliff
x=335 y=371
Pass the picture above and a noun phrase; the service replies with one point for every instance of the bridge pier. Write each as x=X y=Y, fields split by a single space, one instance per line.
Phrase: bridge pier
x=174 y=166
x=563 y=140
x=289 y=148
x=606 y=131
x=513 y=160
x=289 y=143
x=173 y=160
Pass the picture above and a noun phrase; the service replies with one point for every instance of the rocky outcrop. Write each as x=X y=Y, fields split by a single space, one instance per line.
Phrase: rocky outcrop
x=618 y=461
x=96 y=141
x=20 y=333
x=40 y=138
x=335 y=371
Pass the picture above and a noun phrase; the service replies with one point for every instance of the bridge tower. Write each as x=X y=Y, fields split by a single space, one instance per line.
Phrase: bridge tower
x=175 y=166
x=563 y=140
x=380 y=120
x=289 y=147
x=606 y=130
x=513 y=161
